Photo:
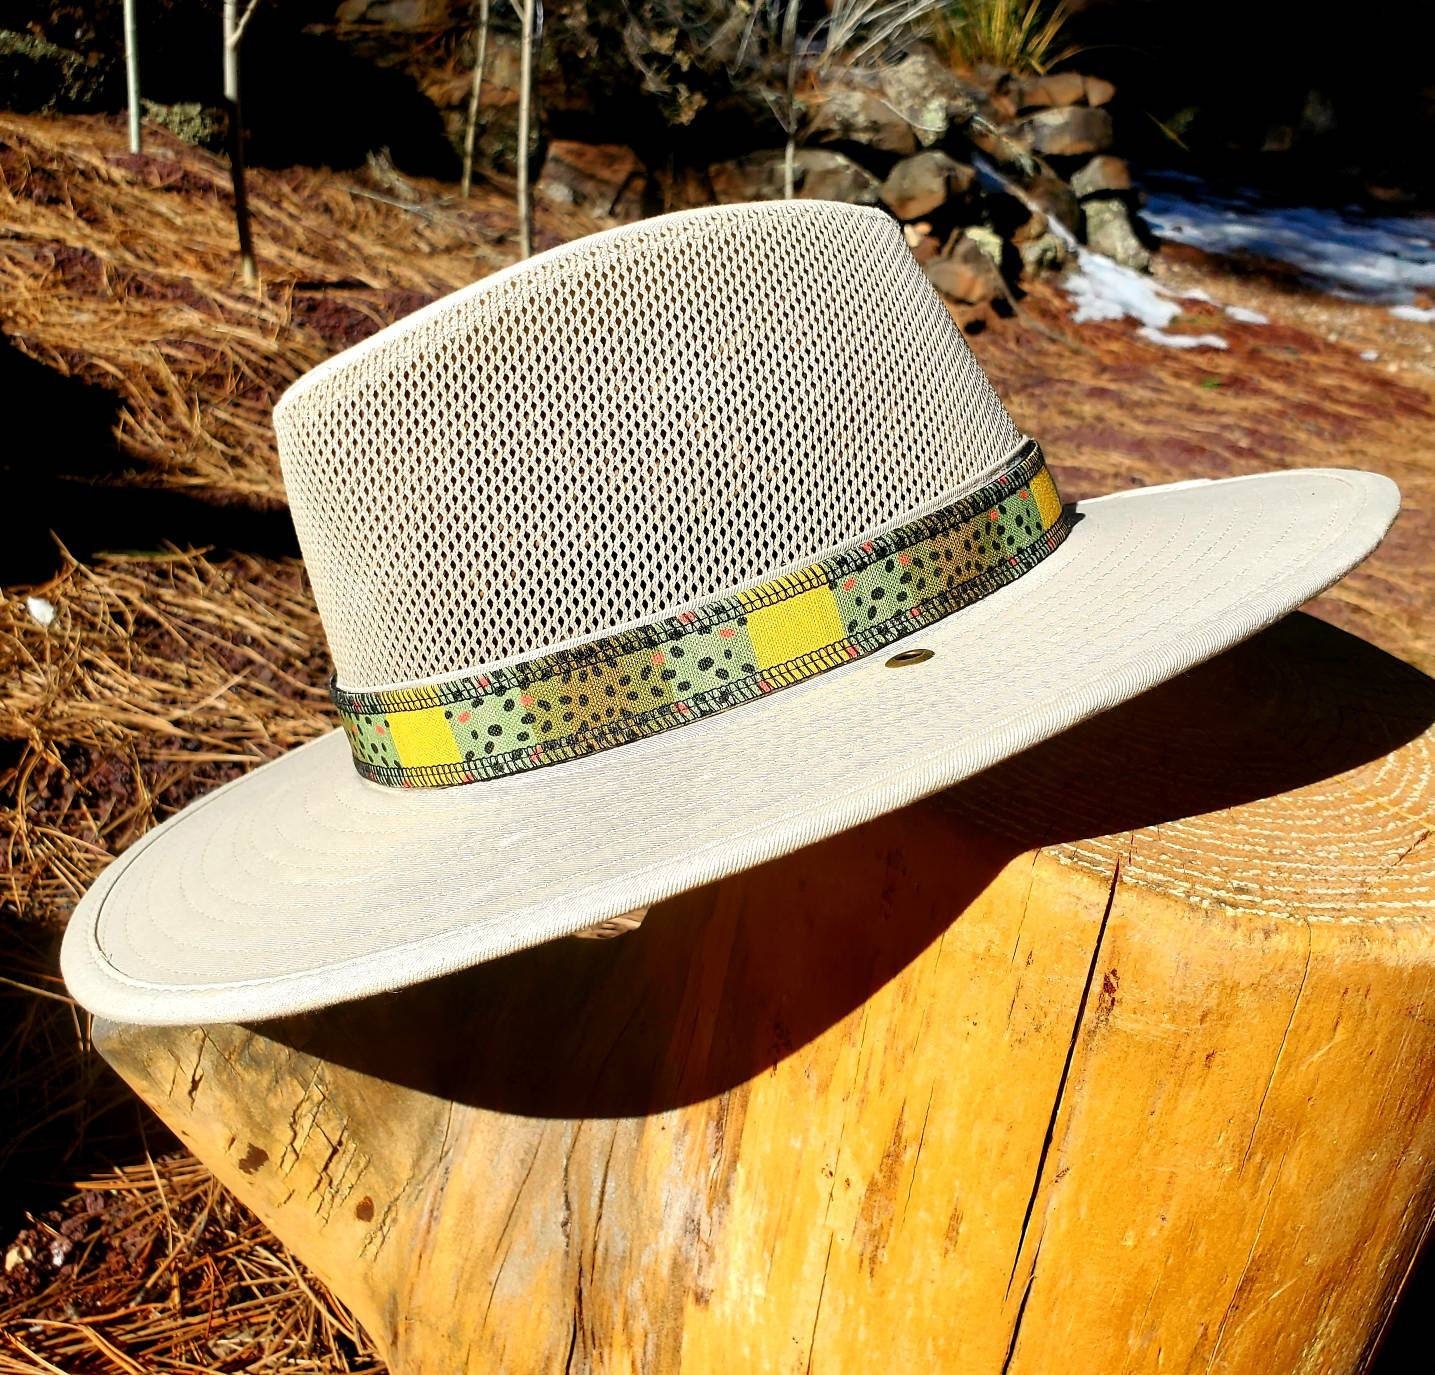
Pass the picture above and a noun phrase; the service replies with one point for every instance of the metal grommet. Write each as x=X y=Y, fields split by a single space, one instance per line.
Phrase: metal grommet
x=908 y=657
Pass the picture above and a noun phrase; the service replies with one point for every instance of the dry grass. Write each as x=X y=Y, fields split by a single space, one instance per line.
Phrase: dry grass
x=1023 y=35
x=155 y=1268
x=160 y=676
x=121 y=269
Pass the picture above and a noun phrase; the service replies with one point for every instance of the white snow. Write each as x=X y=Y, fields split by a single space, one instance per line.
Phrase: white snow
x=1384 y=258
x=1182 y=341
x=1247 y=316
x=1420 y=314
x=1368 y=355
x=40 y=610
x=1104 y=290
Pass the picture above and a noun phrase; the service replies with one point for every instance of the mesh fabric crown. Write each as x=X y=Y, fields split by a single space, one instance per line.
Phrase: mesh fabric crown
x=623 y=427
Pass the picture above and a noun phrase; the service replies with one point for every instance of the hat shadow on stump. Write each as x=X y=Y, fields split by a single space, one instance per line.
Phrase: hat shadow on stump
x=720 y=984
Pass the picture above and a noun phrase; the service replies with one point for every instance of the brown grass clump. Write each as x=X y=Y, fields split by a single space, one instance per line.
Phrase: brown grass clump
x=155 y=1268
x=159 y=677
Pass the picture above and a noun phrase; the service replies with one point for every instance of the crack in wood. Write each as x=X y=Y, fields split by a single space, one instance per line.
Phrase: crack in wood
x=1065 y=1075
x=917 y=1156
x=1245 y=1269
x=1020 y=1314
x=503 y=1233
x=817 y=1311
x=1281 y=1049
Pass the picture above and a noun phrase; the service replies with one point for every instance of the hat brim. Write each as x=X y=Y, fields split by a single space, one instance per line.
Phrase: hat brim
x=302 y=885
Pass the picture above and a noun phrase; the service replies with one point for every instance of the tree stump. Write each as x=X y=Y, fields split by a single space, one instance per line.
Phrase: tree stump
x=1116 y=1058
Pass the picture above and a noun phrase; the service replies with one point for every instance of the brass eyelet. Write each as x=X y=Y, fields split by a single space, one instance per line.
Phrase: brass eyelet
x=908 y=657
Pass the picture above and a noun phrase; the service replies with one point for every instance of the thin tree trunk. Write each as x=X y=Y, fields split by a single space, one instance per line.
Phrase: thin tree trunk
x=234 y=26
x=789 y=42
x=471 y=127
x=132 y=72
x=525 y=122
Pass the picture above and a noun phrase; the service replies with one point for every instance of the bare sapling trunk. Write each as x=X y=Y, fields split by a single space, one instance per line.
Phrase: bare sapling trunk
x=132 y=73
x=234 y=26
x=789 y=44
x=525 y=124
x=470 y=129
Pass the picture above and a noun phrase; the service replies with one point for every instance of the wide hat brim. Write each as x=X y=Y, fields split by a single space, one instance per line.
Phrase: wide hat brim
x=302 y=885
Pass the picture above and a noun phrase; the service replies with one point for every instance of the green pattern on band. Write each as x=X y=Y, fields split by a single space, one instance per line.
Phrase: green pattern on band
x=671 y=672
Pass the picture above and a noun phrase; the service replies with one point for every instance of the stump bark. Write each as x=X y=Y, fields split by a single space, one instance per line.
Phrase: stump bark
x=1116 y=1058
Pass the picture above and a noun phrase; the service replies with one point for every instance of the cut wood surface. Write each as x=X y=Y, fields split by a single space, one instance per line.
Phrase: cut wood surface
x=1116 y=1058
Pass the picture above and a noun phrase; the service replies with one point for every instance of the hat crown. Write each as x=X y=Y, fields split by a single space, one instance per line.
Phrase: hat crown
x=622 y=427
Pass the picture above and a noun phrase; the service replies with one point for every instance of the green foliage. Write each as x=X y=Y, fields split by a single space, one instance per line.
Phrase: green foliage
x=1021 y=35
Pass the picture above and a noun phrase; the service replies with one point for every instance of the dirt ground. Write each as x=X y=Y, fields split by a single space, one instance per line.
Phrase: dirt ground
x=183 y=647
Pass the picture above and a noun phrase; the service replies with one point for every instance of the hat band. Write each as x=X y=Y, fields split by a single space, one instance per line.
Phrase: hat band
x=724 y=653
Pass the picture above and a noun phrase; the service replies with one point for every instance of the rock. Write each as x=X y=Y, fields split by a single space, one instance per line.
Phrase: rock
x=1098 y=92
x=856 y=116
x=1069 y=132
x=396 y=14
x=1032 y=228
x=601 y=174
x=1046 y=253
x=1000 y=89
x=1008 y=148
x=918 y=185
x=1054 y=197
x=928 y=95
x=965 y=273
x=1101 y=176
x=989 y=241
x=1065 y=88
x=921 y=241
x=1109 y=231
x=818 y=174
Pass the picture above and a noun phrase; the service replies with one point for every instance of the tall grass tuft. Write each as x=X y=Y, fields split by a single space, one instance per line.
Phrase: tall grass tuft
x=1021 y=35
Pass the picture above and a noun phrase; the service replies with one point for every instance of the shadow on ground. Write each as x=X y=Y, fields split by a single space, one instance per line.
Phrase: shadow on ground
x=71 y=482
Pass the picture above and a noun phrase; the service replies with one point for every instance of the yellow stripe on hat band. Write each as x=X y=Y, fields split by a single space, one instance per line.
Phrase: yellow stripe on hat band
x=719 y=655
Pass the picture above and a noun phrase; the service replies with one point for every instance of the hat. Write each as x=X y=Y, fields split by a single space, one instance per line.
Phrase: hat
x=644 y=561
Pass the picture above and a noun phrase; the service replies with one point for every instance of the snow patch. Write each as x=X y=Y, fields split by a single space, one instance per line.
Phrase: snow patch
x=1182 y=341
x=1104 y=290
x=40 y=610
x=1420 y=314
x=1381 y=258
x=1247 y=316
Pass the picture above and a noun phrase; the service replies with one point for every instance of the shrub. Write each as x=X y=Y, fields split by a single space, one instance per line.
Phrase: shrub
x=1022 y=35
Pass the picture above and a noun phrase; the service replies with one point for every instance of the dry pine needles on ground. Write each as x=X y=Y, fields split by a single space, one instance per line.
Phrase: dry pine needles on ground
x=121 y=269
x=157 y=677
x=130 y=686
x=155 y=1268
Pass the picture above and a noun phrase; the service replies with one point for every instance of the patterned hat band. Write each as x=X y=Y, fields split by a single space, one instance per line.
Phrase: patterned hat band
x=724 y=653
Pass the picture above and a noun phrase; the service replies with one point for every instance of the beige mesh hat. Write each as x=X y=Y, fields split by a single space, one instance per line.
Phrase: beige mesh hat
x=647 y=560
